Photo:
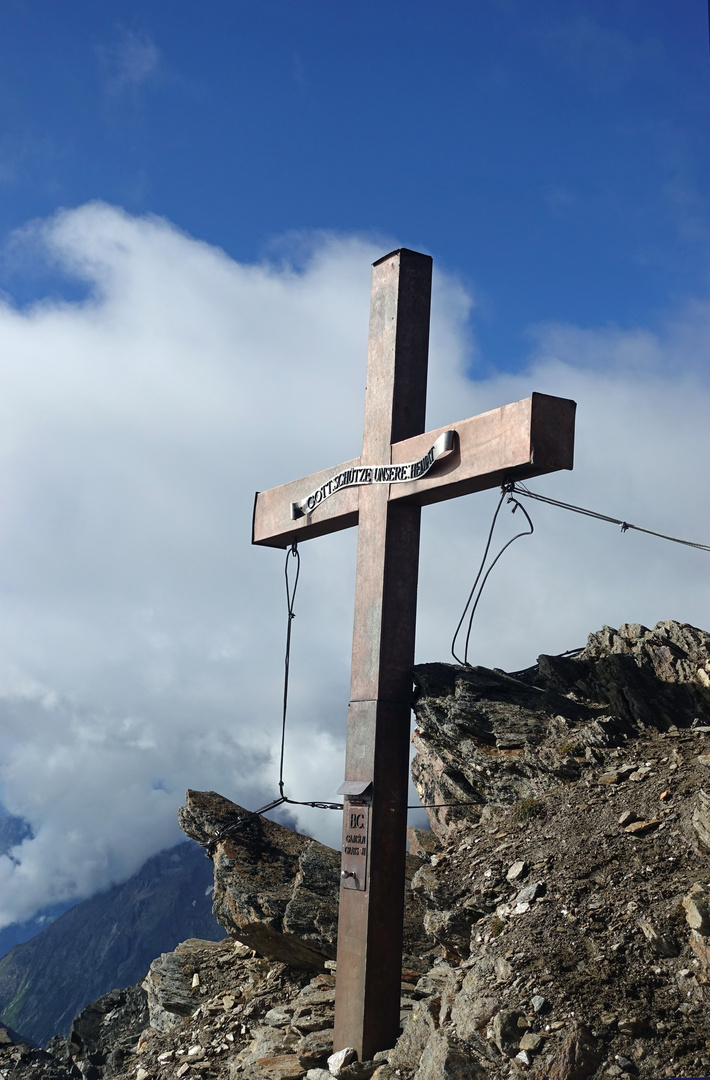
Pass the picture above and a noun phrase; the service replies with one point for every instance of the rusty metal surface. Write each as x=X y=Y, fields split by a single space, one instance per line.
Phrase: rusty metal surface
x=272 y=525
x=370 y=925
x=519 y=441
x=397 y=353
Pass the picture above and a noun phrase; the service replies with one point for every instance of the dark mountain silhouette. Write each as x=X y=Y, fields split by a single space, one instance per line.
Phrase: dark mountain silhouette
x=107 y=941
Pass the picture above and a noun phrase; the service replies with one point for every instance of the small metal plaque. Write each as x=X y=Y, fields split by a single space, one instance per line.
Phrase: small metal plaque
x=356 y=841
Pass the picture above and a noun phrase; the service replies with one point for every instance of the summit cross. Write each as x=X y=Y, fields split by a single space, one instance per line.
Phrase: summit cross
x=401 y=469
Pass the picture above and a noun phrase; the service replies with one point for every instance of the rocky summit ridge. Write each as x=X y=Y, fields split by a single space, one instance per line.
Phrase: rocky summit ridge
x=558 y=920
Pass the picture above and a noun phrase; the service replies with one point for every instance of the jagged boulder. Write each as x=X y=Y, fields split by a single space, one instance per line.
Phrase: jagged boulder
x=172 y=983
x=18 y=1059
x=276 y=890
x=701 y=818
x=104 y=1034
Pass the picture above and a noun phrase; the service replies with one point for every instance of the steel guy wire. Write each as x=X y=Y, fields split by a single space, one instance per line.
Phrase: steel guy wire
x=505 y=490
x=521 y=489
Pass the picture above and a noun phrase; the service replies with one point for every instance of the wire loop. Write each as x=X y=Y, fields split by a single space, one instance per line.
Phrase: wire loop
x=506 y=489
x=292 y=553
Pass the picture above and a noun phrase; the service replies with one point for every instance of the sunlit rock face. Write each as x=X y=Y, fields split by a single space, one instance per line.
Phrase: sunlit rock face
x=276 y=890
x=485 y=737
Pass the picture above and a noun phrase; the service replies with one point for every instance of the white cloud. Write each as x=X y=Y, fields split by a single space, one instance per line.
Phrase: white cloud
x=142 y=636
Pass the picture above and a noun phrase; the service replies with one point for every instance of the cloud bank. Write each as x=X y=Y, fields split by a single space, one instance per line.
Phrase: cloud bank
x=141 y=636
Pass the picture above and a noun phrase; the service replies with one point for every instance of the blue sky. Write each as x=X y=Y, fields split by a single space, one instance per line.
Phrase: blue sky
x=190 y=201
x=553 y=155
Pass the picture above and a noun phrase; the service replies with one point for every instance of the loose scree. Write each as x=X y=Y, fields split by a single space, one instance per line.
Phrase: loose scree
x=401 y=469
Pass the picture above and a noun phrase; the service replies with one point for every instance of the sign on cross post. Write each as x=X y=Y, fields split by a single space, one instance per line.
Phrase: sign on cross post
x=401 y=469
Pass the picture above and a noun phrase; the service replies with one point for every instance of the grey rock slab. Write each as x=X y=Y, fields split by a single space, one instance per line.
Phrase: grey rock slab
x=701 y=817
x=315 y=1048
x=478 y=999
x=506 y=1033
x=442 y=1059
x=502 y=969
x=275 y=890
x=697 y=914
x=470 y=1015
x=279 y=1016
x=415 y=1035
x=267 y=1042
x=169 y=988
x=308 y=1019
x=341 y=1058
x=313 y=996
x=531 y=892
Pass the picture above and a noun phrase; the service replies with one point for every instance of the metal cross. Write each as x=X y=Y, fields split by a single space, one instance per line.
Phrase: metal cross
x=515 y=442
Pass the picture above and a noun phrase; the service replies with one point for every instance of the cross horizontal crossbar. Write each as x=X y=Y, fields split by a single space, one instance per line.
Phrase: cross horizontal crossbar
x=516 y=442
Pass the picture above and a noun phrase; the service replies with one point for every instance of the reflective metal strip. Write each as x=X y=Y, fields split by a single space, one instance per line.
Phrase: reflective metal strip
x=373 y=474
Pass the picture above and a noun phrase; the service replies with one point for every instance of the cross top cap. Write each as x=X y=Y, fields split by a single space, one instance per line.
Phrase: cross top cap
x=402 y=251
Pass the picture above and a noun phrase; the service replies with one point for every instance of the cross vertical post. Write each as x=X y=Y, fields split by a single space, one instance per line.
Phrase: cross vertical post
x=367 y=999
x=401 y=469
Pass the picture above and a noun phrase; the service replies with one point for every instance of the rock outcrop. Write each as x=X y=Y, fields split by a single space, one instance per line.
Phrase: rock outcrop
x=488 y=738
x=104 y=1035
x=567 y=906
x=276 y=890
x=19 y=1059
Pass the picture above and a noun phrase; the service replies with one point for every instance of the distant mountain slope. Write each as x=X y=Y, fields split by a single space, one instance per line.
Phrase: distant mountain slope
x=107 y=942
x=13 y=830
x=16 y=933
